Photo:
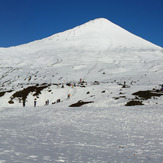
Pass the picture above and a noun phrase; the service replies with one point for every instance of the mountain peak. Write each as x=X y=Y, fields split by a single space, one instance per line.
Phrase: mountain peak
x=98 y=34
x=103 y=33
x=99 y=20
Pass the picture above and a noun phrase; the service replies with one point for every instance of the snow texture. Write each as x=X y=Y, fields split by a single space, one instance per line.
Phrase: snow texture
x=97 y=62
x=85 y=134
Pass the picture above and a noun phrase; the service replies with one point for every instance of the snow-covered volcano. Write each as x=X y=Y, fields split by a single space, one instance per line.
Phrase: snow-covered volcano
x=114 y=67
x=95 y=51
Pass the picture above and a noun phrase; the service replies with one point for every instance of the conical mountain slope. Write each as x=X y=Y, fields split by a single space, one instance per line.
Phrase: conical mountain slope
x=87 y=40
x=97 y=50
x=100 y=34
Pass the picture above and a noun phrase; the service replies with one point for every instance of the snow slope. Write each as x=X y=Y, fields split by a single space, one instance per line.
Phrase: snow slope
x=95 y=51
x=99 y=132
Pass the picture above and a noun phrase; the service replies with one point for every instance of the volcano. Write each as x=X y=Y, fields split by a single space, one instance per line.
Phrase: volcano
x=98 y=50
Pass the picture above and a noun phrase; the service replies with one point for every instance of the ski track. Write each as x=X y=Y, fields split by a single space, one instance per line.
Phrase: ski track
x=89 y=71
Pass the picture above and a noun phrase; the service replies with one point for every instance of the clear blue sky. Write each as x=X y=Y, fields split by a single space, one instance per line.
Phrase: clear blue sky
x=23 y=21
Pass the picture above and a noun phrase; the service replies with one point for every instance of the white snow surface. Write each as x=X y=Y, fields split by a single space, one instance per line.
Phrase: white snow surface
x=95 y=51
x=85 y=134
x=103 y=131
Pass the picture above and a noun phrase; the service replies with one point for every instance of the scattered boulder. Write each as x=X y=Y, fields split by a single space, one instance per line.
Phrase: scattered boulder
x=2 y=94
x=82 y=86
x=80 y=103
x=133 y=103
x=125 y=86
x=116 y=98
x=96 y=83
x=11 y=102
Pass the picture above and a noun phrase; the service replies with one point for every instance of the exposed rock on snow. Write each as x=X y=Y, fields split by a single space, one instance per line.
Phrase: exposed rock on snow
x=80 y=103
x=148 y=94
x=133 y=103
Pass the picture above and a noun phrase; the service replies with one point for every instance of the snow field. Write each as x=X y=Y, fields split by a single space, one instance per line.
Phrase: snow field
x=86 y=134
x=103 y=131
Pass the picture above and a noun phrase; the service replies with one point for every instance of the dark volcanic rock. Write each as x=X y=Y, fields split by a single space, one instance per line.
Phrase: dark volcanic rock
x=80 y=103
x=133 y=103
x=24 y=93
x=148 y=94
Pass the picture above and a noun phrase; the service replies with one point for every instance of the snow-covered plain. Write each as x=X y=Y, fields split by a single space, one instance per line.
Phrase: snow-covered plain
x=103 y=131
x=85 y=134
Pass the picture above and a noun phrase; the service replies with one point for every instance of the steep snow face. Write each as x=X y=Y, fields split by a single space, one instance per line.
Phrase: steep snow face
x=101 y=34
x=86 y=41
x=98 y=34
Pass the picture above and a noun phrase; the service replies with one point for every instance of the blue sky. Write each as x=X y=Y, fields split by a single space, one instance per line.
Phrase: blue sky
x=23 y=21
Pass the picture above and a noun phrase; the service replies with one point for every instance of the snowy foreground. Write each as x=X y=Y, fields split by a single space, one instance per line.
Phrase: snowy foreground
x=83 y=134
